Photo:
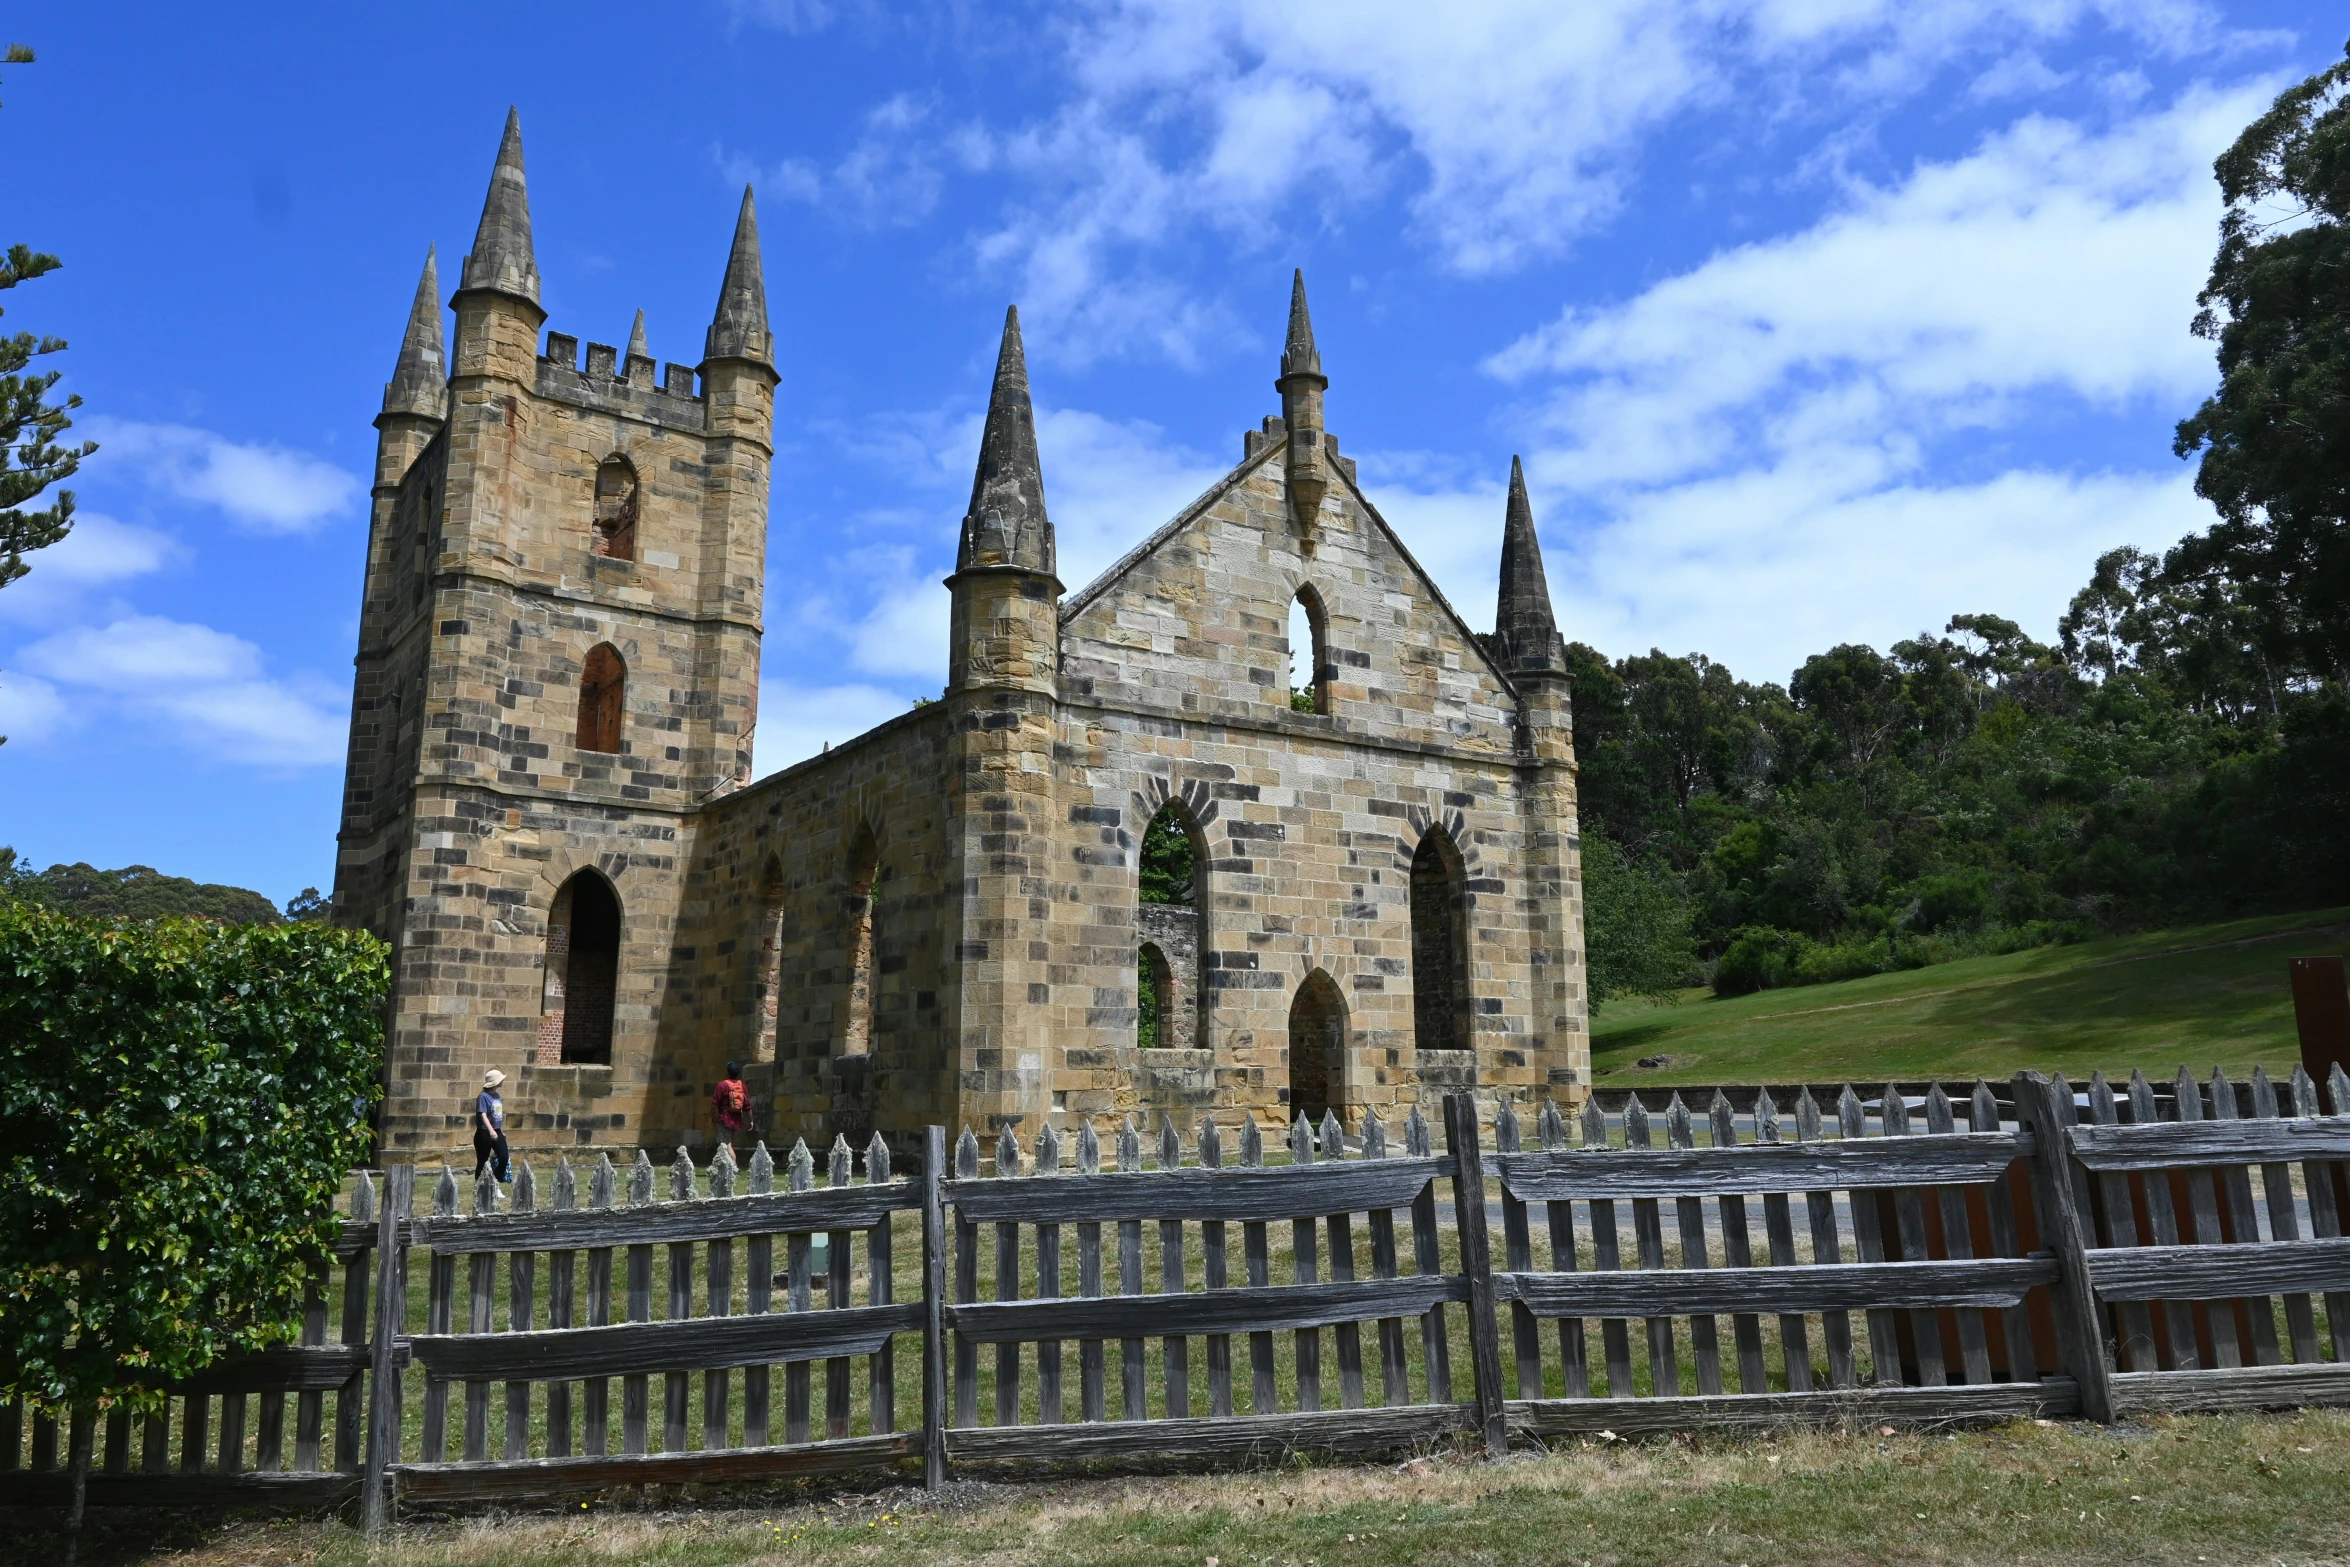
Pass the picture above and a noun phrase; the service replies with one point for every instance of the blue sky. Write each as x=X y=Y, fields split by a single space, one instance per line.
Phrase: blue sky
x=1816 y=320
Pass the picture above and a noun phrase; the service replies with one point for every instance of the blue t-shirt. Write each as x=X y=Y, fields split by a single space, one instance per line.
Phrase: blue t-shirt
x=489 y=1104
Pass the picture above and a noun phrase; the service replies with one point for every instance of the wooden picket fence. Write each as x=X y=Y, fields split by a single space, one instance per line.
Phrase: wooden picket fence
x=1910 y=1257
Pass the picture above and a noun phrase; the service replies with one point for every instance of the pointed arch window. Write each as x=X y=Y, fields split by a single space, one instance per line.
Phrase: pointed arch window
x=1317 y=1049
x=1440 y=945
x=582 y=973
x=603 y=686
x=1172 y=881
x=614 y=533
x=1309 y=653
x=856 y=1036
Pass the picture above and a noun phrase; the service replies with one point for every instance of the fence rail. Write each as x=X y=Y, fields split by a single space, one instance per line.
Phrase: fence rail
x=1905 y=1256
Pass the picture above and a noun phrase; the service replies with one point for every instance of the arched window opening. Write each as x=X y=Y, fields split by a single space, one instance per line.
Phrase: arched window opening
x=603 y=682
x=1309 y=656
x=1170 y=862
x=1154 y=989
x=1317 y=1049
x=1173 y=920
x=614 y=533
x=583 y=973
x=1440 y=945
x=856 y=1036
x=767 y=965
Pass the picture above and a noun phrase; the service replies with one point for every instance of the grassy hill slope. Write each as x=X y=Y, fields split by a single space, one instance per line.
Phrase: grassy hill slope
x=2202 y=996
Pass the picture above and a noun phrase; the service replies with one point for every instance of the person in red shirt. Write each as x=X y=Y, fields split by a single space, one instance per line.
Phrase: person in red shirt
x=730 y=1103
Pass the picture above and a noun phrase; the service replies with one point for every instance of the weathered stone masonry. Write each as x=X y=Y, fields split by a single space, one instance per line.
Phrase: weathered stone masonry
x=938 y=921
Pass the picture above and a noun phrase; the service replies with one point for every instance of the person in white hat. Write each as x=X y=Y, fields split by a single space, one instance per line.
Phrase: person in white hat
x=489 y=1126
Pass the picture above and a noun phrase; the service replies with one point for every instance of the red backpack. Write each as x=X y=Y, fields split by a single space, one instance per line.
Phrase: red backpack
x=732 y=1096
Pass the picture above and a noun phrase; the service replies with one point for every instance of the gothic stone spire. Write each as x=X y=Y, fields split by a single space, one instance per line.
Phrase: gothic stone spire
x=739 y=329
x=1525 y=634
x=1007 y=525
x=1298 y=354
x=419 y=383
x=636 y=339
x=1305 y=470
x=502 y=261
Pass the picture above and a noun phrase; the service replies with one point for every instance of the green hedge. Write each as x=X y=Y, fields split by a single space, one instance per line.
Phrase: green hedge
x=179 y=1105
x=1760 y=957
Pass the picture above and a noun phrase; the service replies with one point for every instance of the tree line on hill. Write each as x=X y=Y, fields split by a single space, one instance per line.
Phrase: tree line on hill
x=141 y=892
x=2181 y=751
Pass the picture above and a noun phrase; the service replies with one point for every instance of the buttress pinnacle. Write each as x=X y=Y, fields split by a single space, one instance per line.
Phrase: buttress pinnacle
x=1298 y=354
x=1525 y=632
x=502 y=261
x=739 y=328
x=1007 y=525
x=420 y=378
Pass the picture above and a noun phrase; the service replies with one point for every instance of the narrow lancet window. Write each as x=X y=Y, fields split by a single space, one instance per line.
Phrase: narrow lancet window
x=1440 y=945
x=603 y=685
x=614 y=534
x=1309 y=659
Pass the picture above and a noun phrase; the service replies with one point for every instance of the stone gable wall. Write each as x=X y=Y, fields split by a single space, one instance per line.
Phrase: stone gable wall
x=1174 y=687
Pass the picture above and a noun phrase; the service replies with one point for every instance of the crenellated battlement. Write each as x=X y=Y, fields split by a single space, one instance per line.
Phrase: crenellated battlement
x=608 y=384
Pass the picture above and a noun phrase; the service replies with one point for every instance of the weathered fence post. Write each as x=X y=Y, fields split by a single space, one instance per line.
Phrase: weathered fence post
x=1468 y=1197
x=934 y=1318
x=2044 y=1109
x=391 y=1315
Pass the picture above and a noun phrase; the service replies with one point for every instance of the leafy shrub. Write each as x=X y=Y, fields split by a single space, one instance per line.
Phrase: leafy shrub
x=1761 y=957
x=1636 y=919
x=179 y=1104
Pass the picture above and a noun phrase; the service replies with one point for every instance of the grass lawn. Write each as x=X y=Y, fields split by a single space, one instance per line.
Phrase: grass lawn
x=2203 y=996
x=2233 y=1489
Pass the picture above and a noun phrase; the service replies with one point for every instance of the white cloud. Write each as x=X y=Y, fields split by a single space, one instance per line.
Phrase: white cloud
x=190 y=686
x=101 y=550
x=31 y=710
x=2049 y=260
x=2021 y=75
x=267 y=488
x=1801 y=442
x=1764 y=568
x=1109 y=484
x=99 y=553
x=1512 y=127
x=905 y=632
x=890 y=178
x=797 y=722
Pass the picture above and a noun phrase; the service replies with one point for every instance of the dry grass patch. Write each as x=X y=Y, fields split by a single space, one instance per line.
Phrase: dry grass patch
x=2213 y=1490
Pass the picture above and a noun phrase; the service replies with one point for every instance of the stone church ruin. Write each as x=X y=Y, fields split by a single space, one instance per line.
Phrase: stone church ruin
x=1127 y=863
